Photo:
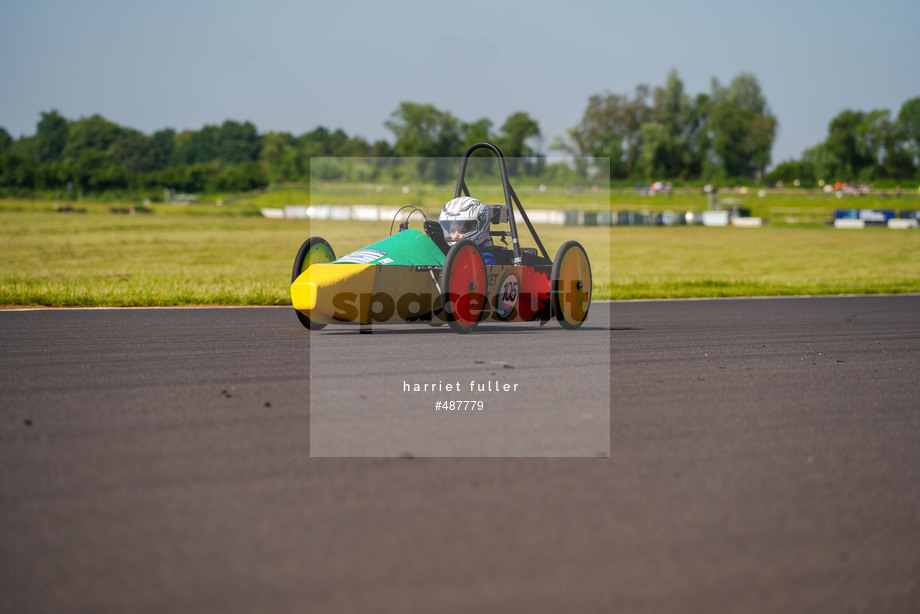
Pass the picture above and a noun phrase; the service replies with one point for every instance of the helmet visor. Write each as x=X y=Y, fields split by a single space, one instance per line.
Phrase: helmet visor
x=454 y=230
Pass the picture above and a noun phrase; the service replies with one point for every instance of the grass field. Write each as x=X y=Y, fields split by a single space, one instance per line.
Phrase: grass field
x=97 y=258
x=775 y=206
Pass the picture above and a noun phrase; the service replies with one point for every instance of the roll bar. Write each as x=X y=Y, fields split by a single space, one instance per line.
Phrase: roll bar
x=510 y=197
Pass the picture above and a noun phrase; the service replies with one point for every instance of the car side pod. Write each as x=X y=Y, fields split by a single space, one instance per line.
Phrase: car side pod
x=570 y=284
x=390 y=281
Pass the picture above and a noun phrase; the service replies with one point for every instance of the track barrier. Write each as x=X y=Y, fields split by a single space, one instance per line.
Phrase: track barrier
x=735 y=217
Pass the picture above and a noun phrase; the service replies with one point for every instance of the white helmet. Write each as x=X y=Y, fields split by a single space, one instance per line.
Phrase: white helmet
x=466 y=218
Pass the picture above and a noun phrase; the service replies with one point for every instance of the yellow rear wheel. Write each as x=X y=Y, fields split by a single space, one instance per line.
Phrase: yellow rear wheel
x=571 y=285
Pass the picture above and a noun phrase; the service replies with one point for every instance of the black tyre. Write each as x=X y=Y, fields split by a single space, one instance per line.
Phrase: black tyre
x=314 y=250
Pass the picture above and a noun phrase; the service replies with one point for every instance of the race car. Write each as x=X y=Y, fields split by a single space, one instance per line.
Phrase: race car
x=414 y=276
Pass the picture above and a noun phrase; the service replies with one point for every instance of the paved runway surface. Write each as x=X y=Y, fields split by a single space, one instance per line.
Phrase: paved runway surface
x=764 y=457
x=542 y=391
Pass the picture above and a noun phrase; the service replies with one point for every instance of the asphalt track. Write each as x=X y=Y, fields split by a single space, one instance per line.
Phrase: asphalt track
x=764 y=457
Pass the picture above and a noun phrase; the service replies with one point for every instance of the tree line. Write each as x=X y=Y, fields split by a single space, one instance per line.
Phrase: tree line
x=666 y=133
x=861 y=147
x=725 y=134
x=96 y=155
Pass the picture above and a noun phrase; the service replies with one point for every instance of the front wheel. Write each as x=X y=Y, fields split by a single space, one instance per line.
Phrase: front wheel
x=314 y=250
x=571 y=285
x=463 y=286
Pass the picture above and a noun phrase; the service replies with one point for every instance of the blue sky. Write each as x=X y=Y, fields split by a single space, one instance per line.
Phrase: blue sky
x=293 y=65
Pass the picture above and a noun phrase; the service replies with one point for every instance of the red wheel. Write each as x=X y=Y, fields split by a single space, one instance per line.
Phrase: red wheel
x=463 y=286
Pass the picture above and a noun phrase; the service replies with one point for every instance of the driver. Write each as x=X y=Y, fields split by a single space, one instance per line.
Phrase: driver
x=466 y=218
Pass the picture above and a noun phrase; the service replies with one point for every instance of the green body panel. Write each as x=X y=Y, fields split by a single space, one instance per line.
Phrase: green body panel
x=409 y=247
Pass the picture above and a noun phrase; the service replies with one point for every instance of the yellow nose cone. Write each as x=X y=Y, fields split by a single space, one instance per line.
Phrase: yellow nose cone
x=303 y=295
x=325 y=292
